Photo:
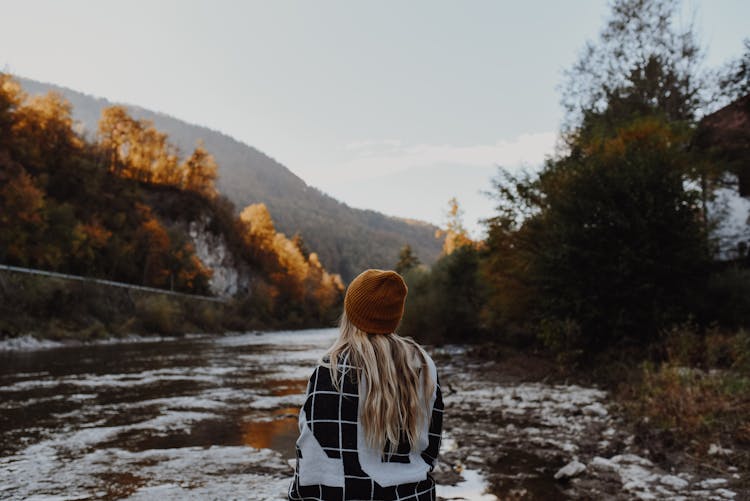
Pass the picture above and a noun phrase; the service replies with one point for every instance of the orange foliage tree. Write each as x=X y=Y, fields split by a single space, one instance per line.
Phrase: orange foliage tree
x=135 y=149
x=200 y=172
x=455 y=234
x=295 y=278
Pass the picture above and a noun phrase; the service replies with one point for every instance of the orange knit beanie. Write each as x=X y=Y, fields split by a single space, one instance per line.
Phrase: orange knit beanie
x=374 y=301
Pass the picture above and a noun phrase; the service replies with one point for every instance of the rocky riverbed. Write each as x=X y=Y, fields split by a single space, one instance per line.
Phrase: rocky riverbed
x=536 y=440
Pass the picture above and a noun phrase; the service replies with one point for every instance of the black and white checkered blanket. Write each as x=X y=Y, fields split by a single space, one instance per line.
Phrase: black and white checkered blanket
x=333 y=461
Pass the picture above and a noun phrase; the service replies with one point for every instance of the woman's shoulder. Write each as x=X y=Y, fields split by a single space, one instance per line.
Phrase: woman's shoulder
x=342 y=360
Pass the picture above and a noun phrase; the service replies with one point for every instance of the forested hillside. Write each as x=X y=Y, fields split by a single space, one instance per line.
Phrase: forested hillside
x=123 y=205
x=346 y=239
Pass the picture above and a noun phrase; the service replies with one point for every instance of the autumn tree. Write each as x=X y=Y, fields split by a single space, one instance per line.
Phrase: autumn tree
x=300 y=286
x=22 y=218
x=200 y=172
x=43 y=132
x=11 y=97
x=454 y=233
x=301 y=245
x=135 y=149
x=259 y=233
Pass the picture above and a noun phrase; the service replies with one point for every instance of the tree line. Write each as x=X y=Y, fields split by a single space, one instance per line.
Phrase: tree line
x=610 y=243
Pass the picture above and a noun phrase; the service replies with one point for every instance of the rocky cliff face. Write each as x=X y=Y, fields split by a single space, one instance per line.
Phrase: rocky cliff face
x=230 y=275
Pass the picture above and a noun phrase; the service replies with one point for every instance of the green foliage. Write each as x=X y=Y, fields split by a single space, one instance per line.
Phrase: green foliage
x=444 y=303
x=610 y=239
x=406 y=260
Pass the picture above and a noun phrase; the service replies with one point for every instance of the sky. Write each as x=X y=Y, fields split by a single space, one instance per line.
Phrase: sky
x=392 y=106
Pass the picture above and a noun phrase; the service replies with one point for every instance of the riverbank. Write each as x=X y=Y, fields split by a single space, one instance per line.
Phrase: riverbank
x=535 y=436
x=51 y=309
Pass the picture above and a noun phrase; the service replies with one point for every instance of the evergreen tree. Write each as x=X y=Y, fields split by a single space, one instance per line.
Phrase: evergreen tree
x=406 y=260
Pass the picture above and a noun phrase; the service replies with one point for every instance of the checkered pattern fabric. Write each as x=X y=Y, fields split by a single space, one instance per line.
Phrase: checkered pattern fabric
x=331 y=416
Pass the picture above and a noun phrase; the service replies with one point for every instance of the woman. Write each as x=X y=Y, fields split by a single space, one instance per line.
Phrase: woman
x=371 y=423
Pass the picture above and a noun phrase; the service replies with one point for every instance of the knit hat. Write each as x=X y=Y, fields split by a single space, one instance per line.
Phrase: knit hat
x=374 y=301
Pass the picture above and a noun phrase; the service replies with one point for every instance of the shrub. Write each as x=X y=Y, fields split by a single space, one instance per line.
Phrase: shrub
x=690 y=400
x=159 y=314
x=444 y=304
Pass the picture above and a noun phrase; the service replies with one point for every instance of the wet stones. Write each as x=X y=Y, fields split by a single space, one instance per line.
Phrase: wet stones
x=570 y=470
x=557 y=441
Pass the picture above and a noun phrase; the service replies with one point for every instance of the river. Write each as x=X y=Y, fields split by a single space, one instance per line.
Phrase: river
x=215 y=417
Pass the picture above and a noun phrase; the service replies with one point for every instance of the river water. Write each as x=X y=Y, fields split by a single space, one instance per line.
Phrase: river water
x=215 y=417
x=198 y=417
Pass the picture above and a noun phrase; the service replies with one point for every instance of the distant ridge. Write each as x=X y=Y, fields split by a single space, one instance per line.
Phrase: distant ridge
x=347 y=240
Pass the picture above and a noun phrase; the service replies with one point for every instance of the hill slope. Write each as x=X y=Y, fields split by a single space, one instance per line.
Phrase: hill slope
x=346 y=239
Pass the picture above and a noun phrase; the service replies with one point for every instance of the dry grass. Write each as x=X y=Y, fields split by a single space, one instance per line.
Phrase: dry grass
x=692 y=401
x=698 y=396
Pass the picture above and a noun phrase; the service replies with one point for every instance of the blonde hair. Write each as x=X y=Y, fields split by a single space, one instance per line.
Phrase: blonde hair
x=398 y=383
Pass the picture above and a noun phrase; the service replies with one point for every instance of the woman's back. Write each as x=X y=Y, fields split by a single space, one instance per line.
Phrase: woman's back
x=379 y=385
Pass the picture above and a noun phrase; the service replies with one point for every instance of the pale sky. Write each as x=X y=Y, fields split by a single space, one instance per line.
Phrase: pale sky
x=392 y=106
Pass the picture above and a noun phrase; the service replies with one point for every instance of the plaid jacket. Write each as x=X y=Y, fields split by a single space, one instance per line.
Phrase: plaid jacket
x=335 y=464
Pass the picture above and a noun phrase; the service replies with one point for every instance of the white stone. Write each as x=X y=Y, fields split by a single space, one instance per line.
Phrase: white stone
x=570 y=470
x=726 y=493
x=673 y=481
x=601 y=463
x=718 y=450
x=595 y=409
x=713 y=482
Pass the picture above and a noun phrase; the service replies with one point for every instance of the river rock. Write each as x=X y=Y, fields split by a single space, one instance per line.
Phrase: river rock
x=595 y=409
x=603 y=464
x=712 y=483
x=674 y=482
x=570 y=470
x=718 y=450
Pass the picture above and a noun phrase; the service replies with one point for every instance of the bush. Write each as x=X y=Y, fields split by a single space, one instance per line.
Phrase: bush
x=692 y=401
x=698 y=394
x=205 y=316
x=444 y=303
x=689 y=346
x=159 y=314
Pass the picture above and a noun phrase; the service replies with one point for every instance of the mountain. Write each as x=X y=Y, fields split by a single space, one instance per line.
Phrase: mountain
x=346 y=239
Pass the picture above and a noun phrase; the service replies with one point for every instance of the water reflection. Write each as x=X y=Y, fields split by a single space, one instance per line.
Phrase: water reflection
x=278 y=433
x=284 y=387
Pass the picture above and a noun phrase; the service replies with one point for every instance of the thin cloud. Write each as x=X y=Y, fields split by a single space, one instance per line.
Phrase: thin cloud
x=379 y=157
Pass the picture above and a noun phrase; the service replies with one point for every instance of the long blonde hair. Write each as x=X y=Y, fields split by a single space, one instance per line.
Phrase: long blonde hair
x=399 y=386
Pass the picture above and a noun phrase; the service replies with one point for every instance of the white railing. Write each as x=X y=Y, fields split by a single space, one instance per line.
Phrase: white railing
x=112 y=283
